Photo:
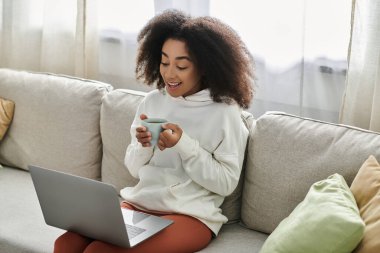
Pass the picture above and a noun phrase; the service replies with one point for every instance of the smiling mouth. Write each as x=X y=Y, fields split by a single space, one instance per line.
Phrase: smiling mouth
x=173 y=85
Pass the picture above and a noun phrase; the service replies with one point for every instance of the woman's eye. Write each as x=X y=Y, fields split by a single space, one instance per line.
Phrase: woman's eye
x=164 y=64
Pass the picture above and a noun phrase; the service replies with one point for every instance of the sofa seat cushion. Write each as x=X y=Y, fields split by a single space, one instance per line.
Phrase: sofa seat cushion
x=287 y=154
x=22 y=226
x=234 y=238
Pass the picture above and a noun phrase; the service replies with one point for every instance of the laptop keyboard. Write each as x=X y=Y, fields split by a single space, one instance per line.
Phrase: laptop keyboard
x=133 y=231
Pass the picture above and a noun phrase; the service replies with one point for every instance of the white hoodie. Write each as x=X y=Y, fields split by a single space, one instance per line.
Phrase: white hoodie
x=195 y=175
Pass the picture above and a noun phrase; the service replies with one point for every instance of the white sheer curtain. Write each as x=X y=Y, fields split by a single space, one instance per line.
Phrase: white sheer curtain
x=53 y=36
x=300 y=46
x=361 y=103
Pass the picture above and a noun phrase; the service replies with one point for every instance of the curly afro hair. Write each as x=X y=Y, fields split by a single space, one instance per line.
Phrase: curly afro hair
x=226 y=65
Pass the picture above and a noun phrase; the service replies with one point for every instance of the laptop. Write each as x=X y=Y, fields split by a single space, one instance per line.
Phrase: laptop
x=91 y=208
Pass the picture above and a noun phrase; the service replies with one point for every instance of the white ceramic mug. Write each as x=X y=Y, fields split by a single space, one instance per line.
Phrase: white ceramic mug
x=154 y=126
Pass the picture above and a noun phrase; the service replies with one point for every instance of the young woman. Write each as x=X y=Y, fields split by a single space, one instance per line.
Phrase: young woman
x=204 y=76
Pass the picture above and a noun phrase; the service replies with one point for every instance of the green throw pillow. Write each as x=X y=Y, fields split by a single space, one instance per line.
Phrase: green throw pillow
x=327 y=220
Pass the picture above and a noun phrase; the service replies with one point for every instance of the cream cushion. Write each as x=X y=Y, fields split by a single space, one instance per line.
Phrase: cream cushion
x=366 y=189
x=6 y=115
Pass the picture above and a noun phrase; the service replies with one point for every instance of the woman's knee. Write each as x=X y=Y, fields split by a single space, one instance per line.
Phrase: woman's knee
x=71 y=242
x=102 y=247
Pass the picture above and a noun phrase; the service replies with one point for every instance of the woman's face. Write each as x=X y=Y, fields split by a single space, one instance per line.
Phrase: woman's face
x=178 y=70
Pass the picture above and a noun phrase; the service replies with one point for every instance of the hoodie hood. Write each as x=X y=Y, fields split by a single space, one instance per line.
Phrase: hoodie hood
x=202 y=96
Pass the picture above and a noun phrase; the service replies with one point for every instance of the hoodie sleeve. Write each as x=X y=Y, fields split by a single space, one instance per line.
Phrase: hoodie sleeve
x=136 y=155
x=218 y=171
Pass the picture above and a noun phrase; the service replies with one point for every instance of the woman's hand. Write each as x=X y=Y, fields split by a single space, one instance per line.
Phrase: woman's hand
x=170 y=136
x=143 y=136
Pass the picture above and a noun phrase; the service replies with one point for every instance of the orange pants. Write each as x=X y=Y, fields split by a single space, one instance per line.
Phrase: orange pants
x=186 y=234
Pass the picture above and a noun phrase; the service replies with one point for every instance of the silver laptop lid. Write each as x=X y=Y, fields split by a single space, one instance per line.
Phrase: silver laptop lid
x=88 y=207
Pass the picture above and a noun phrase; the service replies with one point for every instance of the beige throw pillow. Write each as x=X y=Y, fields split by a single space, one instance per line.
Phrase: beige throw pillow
x=366 y=190
x=6 y=115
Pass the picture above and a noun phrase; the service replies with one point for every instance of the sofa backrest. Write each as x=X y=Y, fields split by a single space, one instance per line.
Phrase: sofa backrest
x=116 y=117
x=117 y=114
x=287 y=154
x=55 y=124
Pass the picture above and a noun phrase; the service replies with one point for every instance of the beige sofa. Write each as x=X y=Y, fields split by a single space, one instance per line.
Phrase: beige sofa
x=82 y=127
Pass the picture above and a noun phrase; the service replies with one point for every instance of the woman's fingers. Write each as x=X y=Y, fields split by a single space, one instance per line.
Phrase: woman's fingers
x=143 y=116
x=143 y=136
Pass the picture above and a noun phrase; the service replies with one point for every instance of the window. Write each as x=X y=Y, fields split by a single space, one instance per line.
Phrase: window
x=300 y=47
